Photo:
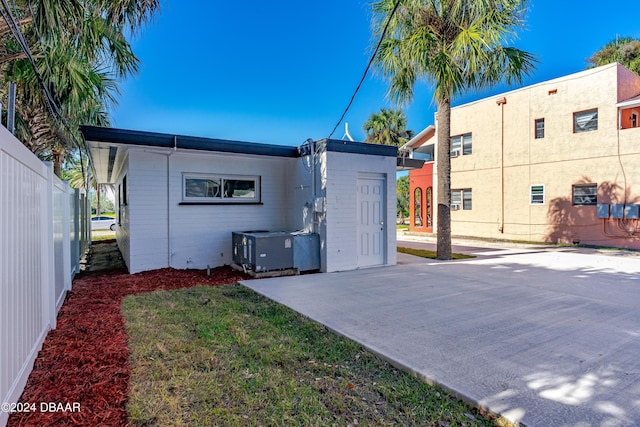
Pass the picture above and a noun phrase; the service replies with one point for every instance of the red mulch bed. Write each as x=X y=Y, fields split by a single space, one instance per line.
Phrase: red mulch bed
x=85 y=359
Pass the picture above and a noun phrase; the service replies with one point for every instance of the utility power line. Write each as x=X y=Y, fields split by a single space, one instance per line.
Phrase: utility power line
x=366 y=71
x=52 y=106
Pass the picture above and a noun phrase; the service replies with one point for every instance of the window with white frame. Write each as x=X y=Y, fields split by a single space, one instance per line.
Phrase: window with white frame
x=537 y=195
x=461 y=145
x=466 y=199
x=585 y=121
x=220 y=188
x=585 y=194
x=461 y=199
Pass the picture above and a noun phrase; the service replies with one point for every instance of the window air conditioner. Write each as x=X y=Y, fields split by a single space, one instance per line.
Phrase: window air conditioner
x=455 y=206
x=455 y=153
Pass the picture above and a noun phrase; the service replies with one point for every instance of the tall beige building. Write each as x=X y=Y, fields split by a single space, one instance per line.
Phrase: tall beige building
x=558 y=162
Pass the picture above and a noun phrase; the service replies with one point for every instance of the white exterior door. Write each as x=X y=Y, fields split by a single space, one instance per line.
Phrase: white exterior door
x=372 y=227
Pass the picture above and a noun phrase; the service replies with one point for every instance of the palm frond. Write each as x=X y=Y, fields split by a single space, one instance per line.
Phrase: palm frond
x=457 y=45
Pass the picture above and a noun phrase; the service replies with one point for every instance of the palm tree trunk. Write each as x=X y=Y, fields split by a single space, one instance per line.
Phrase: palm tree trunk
x=58 y=158
x=443 y=162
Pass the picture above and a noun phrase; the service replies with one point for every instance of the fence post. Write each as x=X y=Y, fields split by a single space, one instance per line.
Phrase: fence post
x=66 y=238
x=75 y=238
x=86 y=222
x=48 y=256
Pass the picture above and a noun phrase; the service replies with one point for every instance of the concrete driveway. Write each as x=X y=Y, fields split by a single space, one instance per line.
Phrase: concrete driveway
x=546 y=337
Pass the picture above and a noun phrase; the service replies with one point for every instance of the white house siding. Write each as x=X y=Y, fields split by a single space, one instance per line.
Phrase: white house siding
x=339 y=229
x=300 y=197
x=146 y=213
x=158 y=231
x=122 y=225
x=200 y=235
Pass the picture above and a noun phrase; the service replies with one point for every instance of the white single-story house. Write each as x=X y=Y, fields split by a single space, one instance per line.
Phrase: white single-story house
x=180 y=198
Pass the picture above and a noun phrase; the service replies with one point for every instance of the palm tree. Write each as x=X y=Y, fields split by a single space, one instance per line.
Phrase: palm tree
x=84 y=42
x=83 y=94
x=625 y=50
x=388 y=127
x=77 y=172
x=457 y=45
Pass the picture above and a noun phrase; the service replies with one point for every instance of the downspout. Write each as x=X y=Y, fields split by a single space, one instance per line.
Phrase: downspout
x=169 y=240
x=312 y=170
x=501 y=103
x=314 y=224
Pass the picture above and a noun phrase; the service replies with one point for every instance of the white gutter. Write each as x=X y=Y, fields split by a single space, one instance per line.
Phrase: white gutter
x=631 y=103
x=409 y=145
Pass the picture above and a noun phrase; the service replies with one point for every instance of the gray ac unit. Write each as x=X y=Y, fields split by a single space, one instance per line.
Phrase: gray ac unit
x=306 y=251
x=262 y=251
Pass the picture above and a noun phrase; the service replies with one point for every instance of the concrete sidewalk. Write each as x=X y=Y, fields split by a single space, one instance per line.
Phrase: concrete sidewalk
x=543 y=337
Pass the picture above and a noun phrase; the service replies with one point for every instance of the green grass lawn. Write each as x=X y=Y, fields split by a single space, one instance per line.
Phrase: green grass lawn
x=425 y=253
x=227 y=356
x=96 y=236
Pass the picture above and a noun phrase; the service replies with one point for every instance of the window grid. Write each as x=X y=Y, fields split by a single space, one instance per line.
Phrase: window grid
x=539 y=128
x=537 y=195
x=462 y=145
x=585 y=121
x=220 y=188
x=461 y=199
x=585 y=194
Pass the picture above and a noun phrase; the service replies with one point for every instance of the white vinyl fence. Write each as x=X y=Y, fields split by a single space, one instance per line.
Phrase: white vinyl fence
x=44 y=229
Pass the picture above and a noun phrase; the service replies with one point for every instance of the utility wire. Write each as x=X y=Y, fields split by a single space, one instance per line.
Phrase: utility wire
x=51 y=104
x=19 y=36
x=42 y=46
x=366 y=71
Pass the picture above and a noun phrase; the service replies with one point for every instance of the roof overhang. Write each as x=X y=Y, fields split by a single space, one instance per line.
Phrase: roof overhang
x=340 y=146
x=407 y=164
x=631 y=102
x=108 y=147
x=425 y=135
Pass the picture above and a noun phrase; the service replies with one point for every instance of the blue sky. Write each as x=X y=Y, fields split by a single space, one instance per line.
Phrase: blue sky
x=282 y=72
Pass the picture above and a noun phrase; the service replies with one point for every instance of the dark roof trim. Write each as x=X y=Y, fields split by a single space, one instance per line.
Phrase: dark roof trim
x=163 y=140
x=340 y=146
x=405 y=163
x=153 y=139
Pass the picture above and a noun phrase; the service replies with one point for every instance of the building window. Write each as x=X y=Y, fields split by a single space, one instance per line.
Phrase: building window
x=124 y=190
x=461 y=199
x=539 y=128
x=585 y=121
x=585 y=194
x=461 y=145
x=220 y=188
x=537 y=195
x=466 y=199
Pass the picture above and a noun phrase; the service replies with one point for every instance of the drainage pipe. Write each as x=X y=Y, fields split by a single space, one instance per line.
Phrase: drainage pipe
x=501 y=102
